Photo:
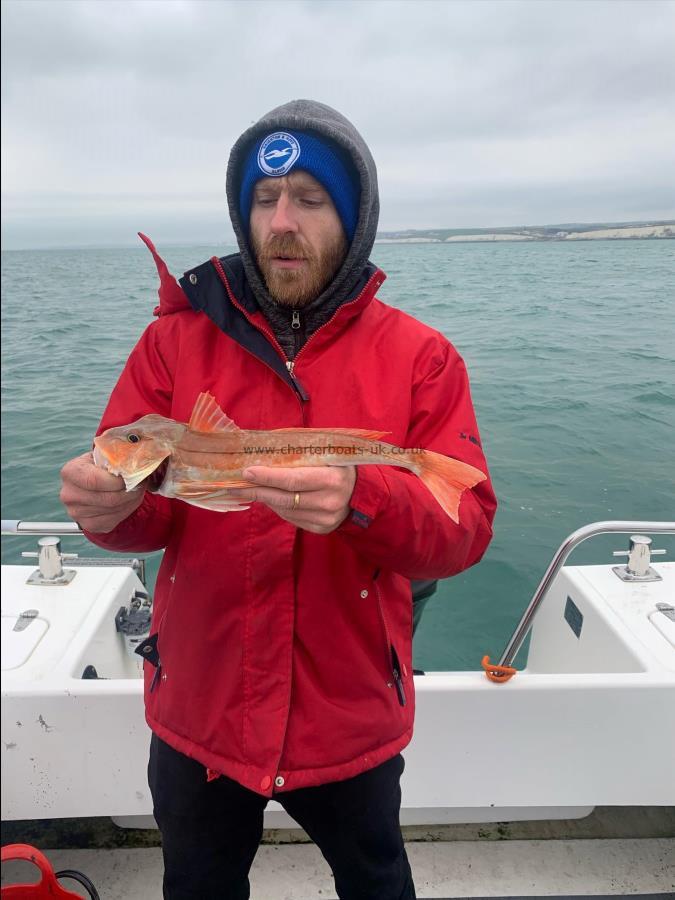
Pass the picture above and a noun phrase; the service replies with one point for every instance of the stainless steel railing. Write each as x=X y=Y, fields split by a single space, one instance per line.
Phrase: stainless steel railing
x=573 y=541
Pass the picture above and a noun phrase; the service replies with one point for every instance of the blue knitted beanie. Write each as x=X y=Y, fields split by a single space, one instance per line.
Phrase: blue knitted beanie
x=280 y=152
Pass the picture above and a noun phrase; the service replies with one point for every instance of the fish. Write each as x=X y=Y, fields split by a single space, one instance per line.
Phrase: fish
x=200 y=461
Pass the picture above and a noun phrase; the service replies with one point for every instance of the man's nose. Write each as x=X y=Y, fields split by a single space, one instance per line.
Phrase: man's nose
x=284 y=220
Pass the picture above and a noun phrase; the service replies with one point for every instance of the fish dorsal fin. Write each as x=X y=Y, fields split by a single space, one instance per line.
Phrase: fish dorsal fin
x=208 y=417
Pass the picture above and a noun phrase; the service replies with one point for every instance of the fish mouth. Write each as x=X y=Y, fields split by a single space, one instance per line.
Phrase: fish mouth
x=155 y=480
x=133 y=481
x=155 y=471
x=100 y=459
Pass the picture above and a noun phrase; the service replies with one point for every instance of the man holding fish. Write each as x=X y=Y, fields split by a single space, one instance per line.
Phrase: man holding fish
x=275 y=385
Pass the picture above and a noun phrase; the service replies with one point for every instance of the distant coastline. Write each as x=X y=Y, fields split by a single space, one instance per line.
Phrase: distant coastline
x=581 y=232
x=643 y=230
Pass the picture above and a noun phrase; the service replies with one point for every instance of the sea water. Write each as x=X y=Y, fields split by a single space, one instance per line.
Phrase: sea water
x=570 y=349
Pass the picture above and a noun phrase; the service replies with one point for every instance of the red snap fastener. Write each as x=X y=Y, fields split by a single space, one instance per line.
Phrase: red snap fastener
x=266 y=782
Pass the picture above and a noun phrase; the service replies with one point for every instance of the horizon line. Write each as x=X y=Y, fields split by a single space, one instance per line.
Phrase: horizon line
x=173 y=242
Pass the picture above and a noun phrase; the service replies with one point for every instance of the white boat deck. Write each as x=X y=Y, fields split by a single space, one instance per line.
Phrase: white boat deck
x=616 y=851
x=448 y=869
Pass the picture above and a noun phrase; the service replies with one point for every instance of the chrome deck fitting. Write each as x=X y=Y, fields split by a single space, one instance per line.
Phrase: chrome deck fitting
x=639 y=555
x=49 y=557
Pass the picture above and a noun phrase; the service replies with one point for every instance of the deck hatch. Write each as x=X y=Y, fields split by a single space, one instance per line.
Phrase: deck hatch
x=20 y=636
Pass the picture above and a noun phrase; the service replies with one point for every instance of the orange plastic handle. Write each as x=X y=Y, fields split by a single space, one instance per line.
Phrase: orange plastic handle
x=498 y=674
x=47 y=887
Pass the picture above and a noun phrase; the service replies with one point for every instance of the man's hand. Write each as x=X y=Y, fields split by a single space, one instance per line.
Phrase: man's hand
x=95 y=499
x=315 y=498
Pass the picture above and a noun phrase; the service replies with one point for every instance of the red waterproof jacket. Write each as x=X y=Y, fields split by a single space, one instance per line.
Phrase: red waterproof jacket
x=285 y=656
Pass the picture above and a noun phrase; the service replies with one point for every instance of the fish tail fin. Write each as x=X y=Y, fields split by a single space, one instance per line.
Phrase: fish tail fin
x=447 y=479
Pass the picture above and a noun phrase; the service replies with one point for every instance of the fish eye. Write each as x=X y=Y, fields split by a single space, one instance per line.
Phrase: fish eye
x=133 y=438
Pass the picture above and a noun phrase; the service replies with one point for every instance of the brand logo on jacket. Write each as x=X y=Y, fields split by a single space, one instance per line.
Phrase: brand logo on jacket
x=278 y=153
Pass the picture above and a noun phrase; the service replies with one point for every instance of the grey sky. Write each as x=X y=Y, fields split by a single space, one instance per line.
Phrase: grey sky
x=118 y=116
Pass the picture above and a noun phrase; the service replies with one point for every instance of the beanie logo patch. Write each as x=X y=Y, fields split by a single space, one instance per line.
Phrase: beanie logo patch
x=278 y=154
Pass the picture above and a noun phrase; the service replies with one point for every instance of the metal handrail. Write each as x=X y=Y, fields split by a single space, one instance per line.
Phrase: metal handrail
x=573 y=541
x=18 y=526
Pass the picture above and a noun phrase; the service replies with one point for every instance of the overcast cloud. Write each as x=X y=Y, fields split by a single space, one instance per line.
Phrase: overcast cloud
x=118 y=116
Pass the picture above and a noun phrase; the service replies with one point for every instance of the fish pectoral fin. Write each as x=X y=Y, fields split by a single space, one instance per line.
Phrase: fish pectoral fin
x=213 y=495
x=184 y=489
x=207 y=416
x=216 y=505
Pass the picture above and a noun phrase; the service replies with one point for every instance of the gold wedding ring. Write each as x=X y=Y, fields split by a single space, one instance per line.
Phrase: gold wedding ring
x=296 y=500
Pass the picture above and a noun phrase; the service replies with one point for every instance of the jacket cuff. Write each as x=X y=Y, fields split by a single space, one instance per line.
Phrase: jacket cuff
x=369 y=497
x=145 y=530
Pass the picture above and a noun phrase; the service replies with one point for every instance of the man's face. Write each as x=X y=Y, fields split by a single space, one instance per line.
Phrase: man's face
x=297 y=237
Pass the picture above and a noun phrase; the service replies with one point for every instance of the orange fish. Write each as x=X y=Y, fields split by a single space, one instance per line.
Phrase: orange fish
x=201 y=461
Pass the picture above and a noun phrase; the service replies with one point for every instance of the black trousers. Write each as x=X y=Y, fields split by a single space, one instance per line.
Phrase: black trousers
x=211 y=830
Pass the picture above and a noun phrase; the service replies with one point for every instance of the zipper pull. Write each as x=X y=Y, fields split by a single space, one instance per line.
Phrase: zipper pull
x=295 y=322
x=299 y=389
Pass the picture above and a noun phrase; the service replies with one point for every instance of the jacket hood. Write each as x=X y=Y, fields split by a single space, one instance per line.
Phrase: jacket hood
x=309 y=115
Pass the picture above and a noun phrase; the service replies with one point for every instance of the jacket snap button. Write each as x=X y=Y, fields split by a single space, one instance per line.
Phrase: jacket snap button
x=364 y=594
x=279 y=781
x=193 y=278
x=266 y=782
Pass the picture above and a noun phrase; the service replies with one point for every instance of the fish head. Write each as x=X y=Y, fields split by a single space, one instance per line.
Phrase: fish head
x=136 y=451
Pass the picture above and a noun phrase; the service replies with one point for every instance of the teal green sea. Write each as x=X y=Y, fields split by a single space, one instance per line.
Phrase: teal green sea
x=570 y=349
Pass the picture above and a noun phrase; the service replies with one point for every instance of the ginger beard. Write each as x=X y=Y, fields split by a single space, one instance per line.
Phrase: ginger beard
x=298 y=287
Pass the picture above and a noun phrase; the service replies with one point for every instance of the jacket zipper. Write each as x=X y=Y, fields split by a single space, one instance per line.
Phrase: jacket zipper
x=299 y=389
x=302 y=394
x=374 y=277
x=393 y=663
x=290 y=364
